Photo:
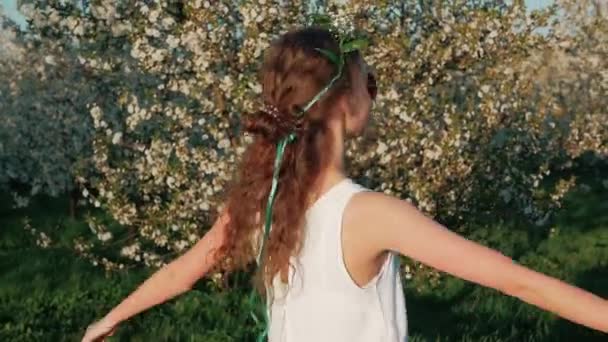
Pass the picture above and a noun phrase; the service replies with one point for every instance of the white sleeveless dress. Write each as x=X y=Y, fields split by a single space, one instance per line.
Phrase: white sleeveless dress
x=321 y=303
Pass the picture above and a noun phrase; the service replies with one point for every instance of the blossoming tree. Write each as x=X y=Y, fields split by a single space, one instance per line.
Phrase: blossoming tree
x=478 y=102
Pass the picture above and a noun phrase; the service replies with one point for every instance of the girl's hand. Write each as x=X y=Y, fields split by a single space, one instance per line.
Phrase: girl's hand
x=99 y=330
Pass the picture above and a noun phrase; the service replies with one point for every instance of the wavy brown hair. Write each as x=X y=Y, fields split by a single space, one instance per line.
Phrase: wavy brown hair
x=293 y=72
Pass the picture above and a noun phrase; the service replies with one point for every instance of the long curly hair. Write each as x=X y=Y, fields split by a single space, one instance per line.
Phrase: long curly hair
x=293 y=72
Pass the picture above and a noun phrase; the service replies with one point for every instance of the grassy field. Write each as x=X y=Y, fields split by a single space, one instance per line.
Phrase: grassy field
x=51 y=295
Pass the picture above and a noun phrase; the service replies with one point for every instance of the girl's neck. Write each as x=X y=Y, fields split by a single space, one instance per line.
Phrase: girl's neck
x=334 y=172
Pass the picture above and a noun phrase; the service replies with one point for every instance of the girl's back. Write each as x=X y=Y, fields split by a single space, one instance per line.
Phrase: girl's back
x=321 y=301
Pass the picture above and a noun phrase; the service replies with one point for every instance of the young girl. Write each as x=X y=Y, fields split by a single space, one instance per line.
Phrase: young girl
x=329 y=266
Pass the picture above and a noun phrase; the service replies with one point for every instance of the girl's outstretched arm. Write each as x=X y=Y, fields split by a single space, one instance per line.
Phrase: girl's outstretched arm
x=392 y=224
x=175 y=278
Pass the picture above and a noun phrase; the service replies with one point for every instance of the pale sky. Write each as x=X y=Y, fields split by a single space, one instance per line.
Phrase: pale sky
x=11 y=10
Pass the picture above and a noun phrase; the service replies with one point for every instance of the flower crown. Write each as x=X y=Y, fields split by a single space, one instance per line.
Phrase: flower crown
x=348 y=41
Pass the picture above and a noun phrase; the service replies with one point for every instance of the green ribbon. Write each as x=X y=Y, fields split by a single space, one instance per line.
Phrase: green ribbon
x=255 y=298
x=335 y=59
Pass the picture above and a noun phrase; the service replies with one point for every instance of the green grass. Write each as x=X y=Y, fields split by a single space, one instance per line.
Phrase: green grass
x=51 y=295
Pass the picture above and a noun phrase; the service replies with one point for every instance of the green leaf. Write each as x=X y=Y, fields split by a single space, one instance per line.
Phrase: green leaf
x=330 y=55
x=321 y=20
x=356 y=44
